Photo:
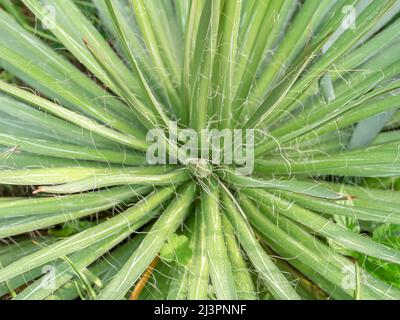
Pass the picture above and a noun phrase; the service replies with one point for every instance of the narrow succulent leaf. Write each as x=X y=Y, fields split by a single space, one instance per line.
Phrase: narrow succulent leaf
x=182 y=13
x=273 y=278
x=134 y=217
x=69 y=151
x=293 y=248
x=195 y=11
x=142 y=112
x=166 y=224
x=46 y=175
x=178 y=289
x=24 y=55
x=278 y=94
x=367 y=130
x=296 y=186
x=21 y=114
x=225 y=61
x=199 y=278
x=23 y=160
x=203 y=60
x=367 y=19
x=107 y=180
x=220 y=267
x=150 y=98
x=18 y=226
x=99 y=272
x=164 y=19
x=306 y=19
x=124 y=13
x=80 y=260
x=333 y=110
x=84 y=83
x=328 y=228
x=243 y=281
x=372 y=162
x=73 y=117
x=65 y=175
x=254 y=42
x=368 y=194
x=385 y=214
x=378 y=109
x=24 y=207
x=14 y=252
x=64 y=27
x=176 y=286
x=335 y=263
x=144 y=18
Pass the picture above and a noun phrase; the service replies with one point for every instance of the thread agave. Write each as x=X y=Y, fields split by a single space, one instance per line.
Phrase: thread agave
x=107 y=226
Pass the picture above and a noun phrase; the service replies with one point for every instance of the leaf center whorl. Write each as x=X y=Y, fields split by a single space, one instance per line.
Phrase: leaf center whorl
x=199 y=168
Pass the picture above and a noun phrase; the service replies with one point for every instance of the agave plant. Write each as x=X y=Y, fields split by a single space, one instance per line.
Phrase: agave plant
x=83 y=84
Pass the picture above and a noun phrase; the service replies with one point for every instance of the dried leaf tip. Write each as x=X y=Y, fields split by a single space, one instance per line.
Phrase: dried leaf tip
x=39 y=190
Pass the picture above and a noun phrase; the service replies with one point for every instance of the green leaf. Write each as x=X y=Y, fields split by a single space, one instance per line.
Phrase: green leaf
x=301 y=187
x=176 y=250
x=154 y=30
x=135 y=217
x=219 y=265
x=168 y=222
x=367 y=130
x=198 y=281
x=73 y=117
x=276 y=282
x=328 y=228
x=64 y=271
x=201 y=70
x=243 y=281
x=69 y=151
x=389 y=235
x=125 y=177
x=24 y=55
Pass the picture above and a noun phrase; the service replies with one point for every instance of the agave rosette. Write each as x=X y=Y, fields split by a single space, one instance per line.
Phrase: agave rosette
x=316 y=88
